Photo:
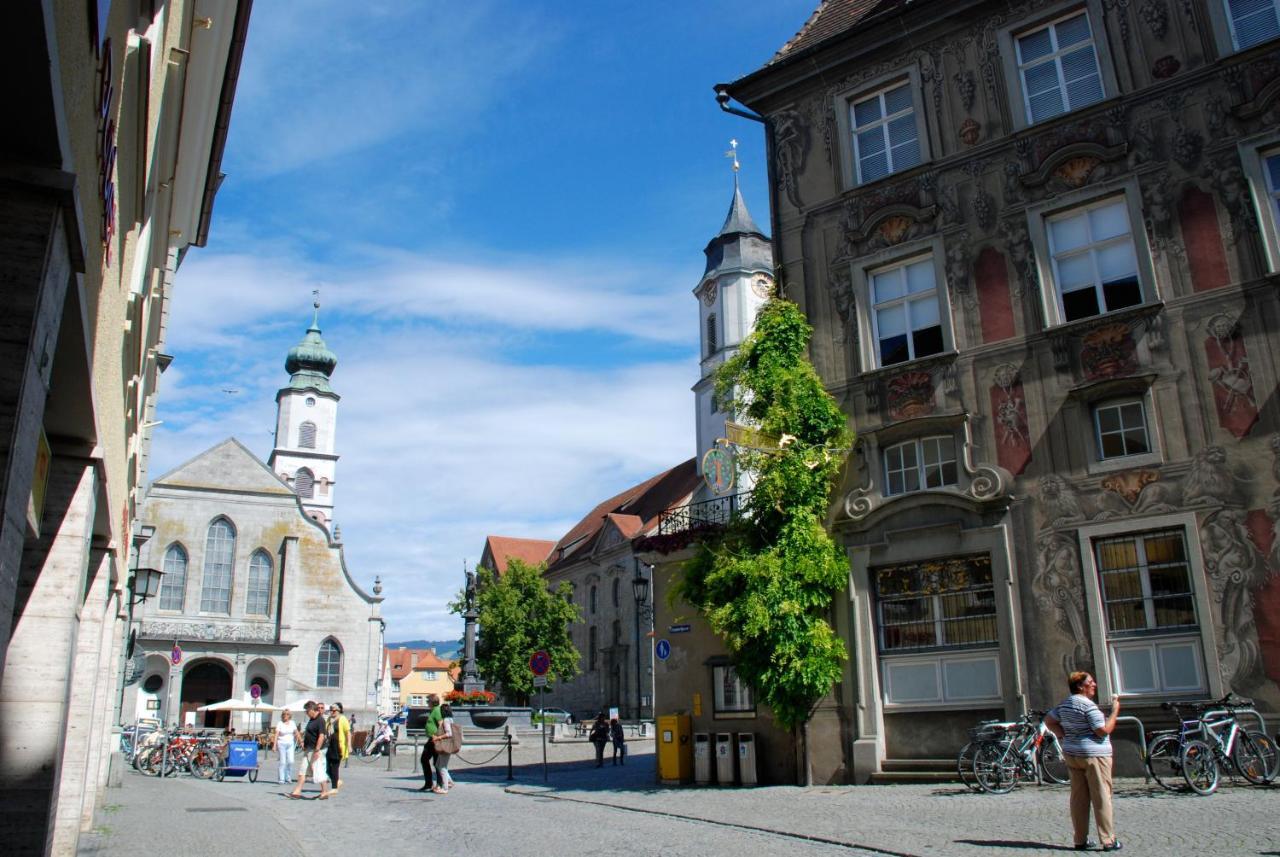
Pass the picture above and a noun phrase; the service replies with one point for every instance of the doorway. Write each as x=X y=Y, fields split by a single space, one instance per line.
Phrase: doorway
x=206 y=682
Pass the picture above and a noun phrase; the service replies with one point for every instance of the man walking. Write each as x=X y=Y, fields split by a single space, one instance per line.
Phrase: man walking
x=432 y=727
x=313 y=738
x=1086 y=745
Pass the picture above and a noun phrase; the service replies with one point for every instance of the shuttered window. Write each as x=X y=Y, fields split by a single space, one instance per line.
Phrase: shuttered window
x=1095 y=268
x=885 y=136
x=173 y=586
x=1253 y=21
x=711 y=334
x=258 y=596
x=304 y=482
x=307 y=435
x=219 y=559
x=1058 y=64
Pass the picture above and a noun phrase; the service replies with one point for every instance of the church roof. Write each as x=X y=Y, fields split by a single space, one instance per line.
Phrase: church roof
x=310 y=362
x=738 y=221
x=226 y=466
x=831 y=18
x=740 y=245
x=640 y=503
x=499 y=550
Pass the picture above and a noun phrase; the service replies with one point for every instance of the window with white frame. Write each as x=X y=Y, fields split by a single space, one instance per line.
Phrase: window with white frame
x=906 y=312
x=936 y=604
x=219 y=559
x=1145 y=580
x=1253 y=22
x=1121 y=429
x=258 y=594
x=731 y=693
x=936 y=630
x=173 y=585
x=920 y=463
x=1095 y=266
x=886 y=136
x=1058 y=67
x=417 y=699
x=430 y=675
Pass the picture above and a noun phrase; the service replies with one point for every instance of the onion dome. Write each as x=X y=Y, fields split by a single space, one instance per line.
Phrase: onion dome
x=310 y=362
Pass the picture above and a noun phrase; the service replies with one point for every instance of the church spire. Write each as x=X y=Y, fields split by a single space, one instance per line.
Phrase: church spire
x=310 y=362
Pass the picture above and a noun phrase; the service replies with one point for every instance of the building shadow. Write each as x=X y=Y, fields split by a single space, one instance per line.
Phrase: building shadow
x=1022 y=845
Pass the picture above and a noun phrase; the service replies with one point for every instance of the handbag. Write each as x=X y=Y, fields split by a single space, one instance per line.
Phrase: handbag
x=319 y=774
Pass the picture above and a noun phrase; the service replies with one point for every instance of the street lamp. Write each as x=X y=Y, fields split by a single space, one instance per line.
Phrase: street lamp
x=144 y=584
x=640 y=590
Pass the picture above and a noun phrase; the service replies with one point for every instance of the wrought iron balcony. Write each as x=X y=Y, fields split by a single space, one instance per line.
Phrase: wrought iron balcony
x=715 y=512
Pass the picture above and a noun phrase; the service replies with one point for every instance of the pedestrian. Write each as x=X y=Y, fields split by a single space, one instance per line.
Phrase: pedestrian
x=283 y=740
x=429 y=751
x=313 y=763
x=448 y=741
x=344 y=729
x=619 y=741
x=599 y=737
x=1086 y=746
x=333 y=746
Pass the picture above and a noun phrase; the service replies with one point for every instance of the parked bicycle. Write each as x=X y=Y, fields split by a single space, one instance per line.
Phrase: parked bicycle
x=1004 y=754
x=1207 y=743
x=198 y=755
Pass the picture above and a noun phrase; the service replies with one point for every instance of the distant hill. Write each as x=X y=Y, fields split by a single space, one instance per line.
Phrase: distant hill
x=448 y=649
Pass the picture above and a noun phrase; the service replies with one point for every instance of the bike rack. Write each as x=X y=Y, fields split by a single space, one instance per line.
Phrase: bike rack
x=1130 y=720
x=1218 y=712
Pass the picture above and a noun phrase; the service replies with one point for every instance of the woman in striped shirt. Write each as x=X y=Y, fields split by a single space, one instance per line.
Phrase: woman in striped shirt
x=1086 y=745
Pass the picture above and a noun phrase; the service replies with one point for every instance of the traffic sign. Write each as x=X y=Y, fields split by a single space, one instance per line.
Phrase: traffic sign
x=539 y=681
x=539 y=663
x=662 y=649
x=175 y=656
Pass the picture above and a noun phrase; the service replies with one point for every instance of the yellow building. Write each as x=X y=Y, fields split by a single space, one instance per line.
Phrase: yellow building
x=418 y=673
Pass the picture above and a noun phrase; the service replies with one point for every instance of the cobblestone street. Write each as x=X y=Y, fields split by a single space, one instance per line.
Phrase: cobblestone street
x=586 y=811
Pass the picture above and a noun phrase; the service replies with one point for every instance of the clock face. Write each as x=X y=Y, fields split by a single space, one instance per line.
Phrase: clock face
x=763 y=287
x=718 y=470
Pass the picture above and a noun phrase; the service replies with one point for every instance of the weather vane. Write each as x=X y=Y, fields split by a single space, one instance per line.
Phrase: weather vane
x=315 y=298
x=733 y=153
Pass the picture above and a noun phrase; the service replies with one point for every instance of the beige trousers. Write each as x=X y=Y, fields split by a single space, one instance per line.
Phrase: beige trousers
x=1091 y=786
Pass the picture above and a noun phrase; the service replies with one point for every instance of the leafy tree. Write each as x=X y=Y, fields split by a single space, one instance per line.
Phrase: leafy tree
x=520 y=615
x=766 y=582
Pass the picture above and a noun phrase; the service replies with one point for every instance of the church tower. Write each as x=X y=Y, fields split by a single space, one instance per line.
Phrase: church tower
x=737 y=281
x=305 y=455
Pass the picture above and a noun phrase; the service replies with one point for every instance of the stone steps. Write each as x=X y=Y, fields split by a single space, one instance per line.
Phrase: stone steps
x=916 y=771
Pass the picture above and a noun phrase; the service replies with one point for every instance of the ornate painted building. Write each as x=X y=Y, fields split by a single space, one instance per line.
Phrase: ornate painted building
x=256 y=589
x=1038 y=244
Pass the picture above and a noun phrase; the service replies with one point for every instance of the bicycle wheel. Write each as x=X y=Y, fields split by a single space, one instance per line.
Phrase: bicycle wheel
x=1164 y=763
x=203 y=764
x=1199 y=767
x=1053 y=765
x=995 y=767
x=964 y=766
x=1254 y=757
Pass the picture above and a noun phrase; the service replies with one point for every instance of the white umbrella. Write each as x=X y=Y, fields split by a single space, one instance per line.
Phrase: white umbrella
x=245 y=704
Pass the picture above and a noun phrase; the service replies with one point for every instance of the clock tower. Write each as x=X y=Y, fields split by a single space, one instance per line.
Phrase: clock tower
x=737 y=281
x=305 y=455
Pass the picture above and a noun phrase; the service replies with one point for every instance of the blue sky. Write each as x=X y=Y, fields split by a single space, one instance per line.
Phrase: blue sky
x=503 y=205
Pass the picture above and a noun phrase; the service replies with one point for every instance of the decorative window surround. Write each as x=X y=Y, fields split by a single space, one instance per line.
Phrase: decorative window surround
x=844 y=108
x=1038 y=220
x=863 y=273
x=1103 y=641
x=1121 y=430
x=1009 y=56
x=920 y=464
x=1260 y=157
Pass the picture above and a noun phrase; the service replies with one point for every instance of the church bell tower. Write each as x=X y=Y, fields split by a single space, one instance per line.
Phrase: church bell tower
x=305 y=454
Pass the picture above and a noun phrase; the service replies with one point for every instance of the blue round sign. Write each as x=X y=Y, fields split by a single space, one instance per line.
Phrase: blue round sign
x=662 y=649
x=539 y=663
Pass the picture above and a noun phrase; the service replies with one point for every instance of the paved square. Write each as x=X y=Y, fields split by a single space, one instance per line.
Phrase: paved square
x=583 y=810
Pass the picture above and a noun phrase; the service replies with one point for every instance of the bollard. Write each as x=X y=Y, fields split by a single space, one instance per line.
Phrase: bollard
x=391 y=751
x=415 y=755
x=510 y=774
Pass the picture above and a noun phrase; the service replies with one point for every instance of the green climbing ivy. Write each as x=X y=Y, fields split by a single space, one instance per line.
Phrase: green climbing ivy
x=766 y=582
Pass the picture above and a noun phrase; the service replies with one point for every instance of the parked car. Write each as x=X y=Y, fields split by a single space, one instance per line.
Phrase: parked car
x=555 y=715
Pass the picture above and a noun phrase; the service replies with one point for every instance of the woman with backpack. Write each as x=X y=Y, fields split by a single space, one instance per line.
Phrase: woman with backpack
x=448 y=740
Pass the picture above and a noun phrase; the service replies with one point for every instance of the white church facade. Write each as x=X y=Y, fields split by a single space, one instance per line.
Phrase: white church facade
x=256 y=590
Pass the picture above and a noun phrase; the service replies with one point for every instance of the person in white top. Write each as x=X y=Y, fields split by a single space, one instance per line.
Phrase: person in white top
x=283 y=742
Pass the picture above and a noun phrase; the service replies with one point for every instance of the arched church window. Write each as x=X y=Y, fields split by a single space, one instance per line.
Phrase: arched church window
x=219 y=559
x=304 y=482
x=173 y=586
x=307 y=435
x=329 y=665
x=616 y=584
x=258 y=597
x=711 y=334
x=593 y=598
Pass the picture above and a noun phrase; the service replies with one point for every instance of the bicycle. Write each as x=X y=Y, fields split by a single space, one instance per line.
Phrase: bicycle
x=1193 y=756
x=987 y=730
x=1025 y=751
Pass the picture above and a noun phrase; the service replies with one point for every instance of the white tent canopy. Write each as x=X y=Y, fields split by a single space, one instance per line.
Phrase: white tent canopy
x=247 y=703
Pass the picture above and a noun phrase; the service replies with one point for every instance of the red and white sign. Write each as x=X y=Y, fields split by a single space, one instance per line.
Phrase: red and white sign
x=175 y=656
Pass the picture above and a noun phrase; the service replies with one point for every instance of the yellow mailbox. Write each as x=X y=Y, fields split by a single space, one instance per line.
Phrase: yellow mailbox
x=675 y=749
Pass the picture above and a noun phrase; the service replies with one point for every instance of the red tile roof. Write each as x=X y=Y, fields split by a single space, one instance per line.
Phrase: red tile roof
x=429 y=660
x=501 y=549
x=831 y=18
x=403 y=661
x=634 y=511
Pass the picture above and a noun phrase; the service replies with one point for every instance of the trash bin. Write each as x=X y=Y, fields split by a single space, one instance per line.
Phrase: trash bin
x=702 y=759
x=747 y=758
x=675 y=754
x=724 y=758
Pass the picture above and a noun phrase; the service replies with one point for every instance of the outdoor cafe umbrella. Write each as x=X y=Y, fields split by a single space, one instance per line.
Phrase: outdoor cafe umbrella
x=245 y=704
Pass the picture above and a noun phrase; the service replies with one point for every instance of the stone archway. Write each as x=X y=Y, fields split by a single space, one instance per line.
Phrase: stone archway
x=261 y=673
x=153 y=689
x=205 y=682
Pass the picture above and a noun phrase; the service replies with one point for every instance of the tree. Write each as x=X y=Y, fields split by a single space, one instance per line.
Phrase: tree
x=766 y=582
x=520 y=615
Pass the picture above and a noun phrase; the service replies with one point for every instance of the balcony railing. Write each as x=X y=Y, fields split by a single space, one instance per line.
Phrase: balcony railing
x=715 y=512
